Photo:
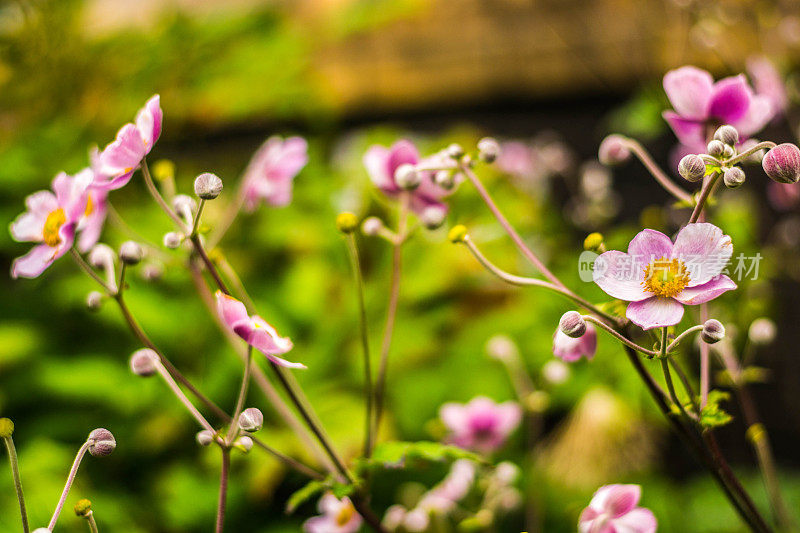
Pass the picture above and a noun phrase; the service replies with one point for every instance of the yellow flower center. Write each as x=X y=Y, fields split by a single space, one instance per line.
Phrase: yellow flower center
x=345 y=514
x=665 y=277
x=89 y=206
x=52 y=225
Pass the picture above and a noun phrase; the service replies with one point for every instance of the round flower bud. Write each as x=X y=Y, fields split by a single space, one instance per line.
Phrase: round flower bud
x=488 y=149
x=572 y=324
x=454 y=151
x=371 y=226
x=613 y=150
x=782 y=163
x=715 y=148
x=101 y=255
x=406 y=177
x=152 y=271
x=713 y=331
x=172 y=240
x=692 y=167
x=733 y=177
x=94 y=300
x=346 y=222
x=433 y=217
x=762 y=331
x=251 y=419
x=207 y=186
x=143 y=362
x=457 y=234
x=83 y=507
x=244 y=443
x=728 y=152
x=131 y=252
x=101 y=442
x=593 y=242
x=184 y=204
x=204 y=437
x=6 y=428
x=444 y=179
x=727 y=134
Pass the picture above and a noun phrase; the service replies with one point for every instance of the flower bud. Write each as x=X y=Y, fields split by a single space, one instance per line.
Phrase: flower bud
x=152 y=271
x=728 y=152
x=207 y=186
x=372 y=226
x=172 y=240
x=692 y=167
x=204 y=437
x=715 y=148
x=94 y=300
x=613 y=150
x=488 y=149
x=733 y=177
x=762 y=331
x=346 y=222
x=457 y=234
x=727 y=135
x=83 y=507
x=143 y=362
x=251 y=419
x=444 y=179
x=101 y=442
x=101 y=255
x=244 y=443
x=454 y=151
x=6 y=428
x=406 y=177
x=572 y=324
x=782 y=163
x=433 y=217
x=713 y=331
x=184 y=205
x=593 y=242
x=131 y=253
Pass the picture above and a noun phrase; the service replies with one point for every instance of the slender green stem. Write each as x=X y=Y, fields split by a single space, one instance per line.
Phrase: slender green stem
x=619 y=336
x=121 y=284
x=70 y=478
x=196 y=222
x=233 y=430
x=668 y=375
x=223 y=489
x=90 y=271
x=674 y=344
x=151 y=187
x=687 y=385
x=212 y=269
x=704 y=194
x=763 y=145
x=12 y=459
x=90 y=520
x=705 y=361
x=182 y=397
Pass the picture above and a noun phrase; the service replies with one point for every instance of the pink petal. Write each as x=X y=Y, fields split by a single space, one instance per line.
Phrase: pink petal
x=509 y=414
x=768 y=82
x=704 y=249
x=649 y=245
x=570 y=350
x=230 y=310
x=148 y=122
x=375 y=160
x=122 y=155
x=329 y=504
x=759 y=113
x=655 y=312
x=29 y=226
x=41 y=203
x=587 y=519
x=706 y=292
x=620 y=276
x=689 y=91
x=730 y=99
x=454 y=416
x=289 y=159
x=401 y=153
x=688 y=131
x=639 y=520
x=92 y=226
x=34 y=262
x=620 y=499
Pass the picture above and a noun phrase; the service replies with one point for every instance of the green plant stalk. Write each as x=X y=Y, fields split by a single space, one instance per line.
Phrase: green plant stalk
x=223 y=489
x=12 y=458
x=233 y=430
x=70 y=478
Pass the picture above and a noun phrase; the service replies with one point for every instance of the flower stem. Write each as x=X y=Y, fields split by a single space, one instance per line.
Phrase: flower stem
x=196 y=221
x=619 y=336
x=705 y=363
x=704 y=194
x=674 y=344
x=182 y=397
x=233 y=430
x=659 y=175
x=70 y=478
x=223 y=489
x=12 y=459
x=764 y=145
x=91 y=522
x=151 y=187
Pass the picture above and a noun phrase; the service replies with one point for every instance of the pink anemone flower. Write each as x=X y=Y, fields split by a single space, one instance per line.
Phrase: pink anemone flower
x=569 y=349
x=271 y=172
x=114 y=166
x=254 y=330
x=91 y=223
x=699 y=104
x=50 y=221
x=768 y=82
x=338 y=516
x=613 y=510
x=659 y=277
x=480 y=425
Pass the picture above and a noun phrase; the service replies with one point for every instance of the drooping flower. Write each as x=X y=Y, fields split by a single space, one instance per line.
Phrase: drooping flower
x=338 y=516
x=659 y=277
x=50 y=221
x=570 y=349
x=90 y=226
x=115 y=165
x=481 y=425
x=700 y=104
x=382 y=163
x=613 y=510
x=254 y=330
x=271 y=171
x=768 y=82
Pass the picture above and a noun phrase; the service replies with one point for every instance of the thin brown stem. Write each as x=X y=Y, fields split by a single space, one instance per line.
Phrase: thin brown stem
x=153 y=190
x=659 y=175
x=70 y=478
x=223 y=489
x=233 y=430
x=14 y=461
x=704 y=195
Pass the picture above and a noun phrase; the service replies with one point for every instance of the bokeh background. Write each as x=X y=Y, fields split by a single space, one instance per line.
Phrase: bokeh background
x=558 y=74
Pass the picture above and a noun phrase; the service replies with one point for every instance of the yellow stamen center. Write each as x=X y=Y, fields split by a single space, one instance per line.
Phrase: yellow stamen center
x=345 y=514
x=52 y=225
x=665 y=277
x=89 y=206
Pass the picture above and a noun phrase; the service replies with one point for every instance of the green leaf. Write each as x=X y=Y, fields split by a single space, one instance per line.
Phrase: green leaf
x=712 y=415
x=316 y=487
x=398 y=454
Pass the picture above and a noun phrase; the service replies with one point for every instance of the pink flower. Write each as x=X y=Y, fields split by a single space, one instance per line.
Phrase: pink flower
x=659 y=277
x=382 y=162
x=783 y=196
x=50 y=220
x=569 y=349
x=698 y=103
x=91 y=223
x=271 y=171
x=481 y=425
x=516 y=158
x=254 y=330
x=115 y=165
x=613 y=510
x=768 y=82
x=338 y=516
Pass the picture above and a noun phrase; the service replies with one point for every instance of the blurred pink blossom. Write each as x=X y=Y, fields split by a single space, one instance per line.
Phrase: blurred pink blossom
x=613 y=510
x=481 y=425
x=569 y=349
x=269 y=176
x=338 y=516
x=768 y=82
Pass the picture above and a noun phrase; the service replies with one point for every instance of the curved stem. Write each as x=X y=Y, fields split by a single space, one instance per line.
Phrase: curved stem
x=233 y=430
x=619 y=336
x=90 y=272
x=182 y=397
x=12 y=459
x=70 y=478
x=91 y=522
x=659 y=175
x=223 y=489
x=201 y=252
x=674 y=344
x=704 y=194
x=151 y=187
x=764 y=145
x=705 y=363
x=196 y=222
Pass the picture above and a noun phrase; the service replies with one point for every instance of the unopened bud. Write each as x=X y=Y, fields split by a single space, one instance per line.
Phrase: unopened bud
x=713 y=331
x=372 y=226
x=94 y=300
x=152 y=271
x=572 y=324
x=244 y=443
x=488 y=149
x=131 y=253
x=346 y=222
x=454 y=151
x=143 y=362
x=613 y=150
x=727 y=134
x=733 y=177
x=433 y=217
x=172 y=240
x=83 y=507
x=715 y=148
x=251 y=419
x=204 y=437
x=762 y=331
x=6 y=428
x=728 y=152
x=207 y=186
x=692 y=167
x=101 y=255
x=782 y=163
x=457 y=234
x=101 y=442
x=445 y=179
x=185 y=205
x=593 y=242
x=406 y=177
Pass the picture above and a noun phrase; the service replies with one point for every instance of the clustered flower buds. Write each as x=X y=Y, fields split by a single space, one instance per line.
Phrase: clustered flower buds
x=613 y=150
x=782 y=163
x=101 y=256
x=713 y=331
x=94 y=300
x=251 y=419
x=407 y=177
x=733 y=177
x=244 y=443
x=131 y=253
x=572 y=324
x=372 y=226
x=101 y=442
x=207 y=186
x=692 y=167
x=346 y=222
x=173 y=239
x=716 y=148
x=727 y=135
x=488 y=149
x=143 y=362
x=204 y=437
